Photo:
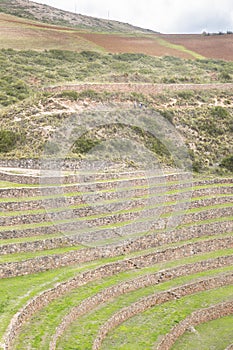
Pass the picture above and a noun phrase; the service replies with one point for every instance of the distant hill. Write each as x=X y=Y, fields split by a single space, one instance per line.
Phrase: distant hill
x=48 y=14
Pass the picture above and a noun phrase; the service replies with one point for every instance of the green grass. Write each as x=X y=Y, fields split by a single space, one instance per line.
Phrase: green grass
x=136 y=209
x=72 y=194
x=61 y=250
x=179 y=48
x=117 y=224
x=144 y=330
x=9 y=184
x=16 y=291
x=29 y=255
x=98 y=203
x=216 y=334
x=81 y=334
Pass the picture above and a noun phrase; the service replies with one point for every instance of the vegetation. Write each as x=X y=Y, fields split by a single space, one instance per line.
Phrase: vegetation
x=25 y=71
x=37 y=226
x=8 y=140
x=227 y=163
x=59 y=17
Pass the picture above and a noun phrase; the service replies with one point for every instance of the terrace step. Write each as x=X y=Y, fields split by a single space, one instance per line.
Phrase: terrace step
x=157 y=299
x=45 y=263
x=131 y=285
x=200 y=316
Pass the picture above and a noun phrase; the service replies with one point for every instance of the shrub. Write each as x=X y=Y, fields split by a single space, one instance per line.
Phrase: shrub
x=69 y=94
x=13 y=90
x=129 y=56
x=84 y=145
x=91 y=55
x=219 y=112
x=90 y=94
x=186 y=95
x=227 y=163
x=169 y=115
x=225 y=76
x=8 y=140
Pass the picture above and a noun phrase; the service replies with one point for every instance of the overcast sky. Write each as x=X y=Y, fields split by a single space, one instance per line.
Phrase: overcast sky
x=167 y=16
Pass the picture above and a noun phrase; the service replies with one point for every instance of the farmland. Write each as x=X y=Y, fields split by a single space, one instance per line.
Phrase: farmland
x=115 y=184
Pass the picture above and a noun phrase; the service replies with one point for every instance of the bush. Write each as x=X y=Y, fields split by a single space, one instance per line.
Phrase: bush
x=8 y=140
x=227 y=163
x=13 y=90
x=69 y=94
x=169 y=115
x=186 y=95
x=90 y=94
x=219 y=112
x=84 y=145
x=129 y=56
x=225 y=76
x=91 y=55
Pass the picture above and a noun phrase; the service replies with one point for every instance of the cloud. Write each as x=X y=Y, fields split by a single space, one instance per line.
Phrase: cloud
x=168 y=16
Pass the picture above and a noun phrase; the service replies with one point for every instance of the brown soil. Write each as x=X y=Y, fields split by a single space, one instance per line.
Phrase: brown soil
x=121 y=44
x=212 y=46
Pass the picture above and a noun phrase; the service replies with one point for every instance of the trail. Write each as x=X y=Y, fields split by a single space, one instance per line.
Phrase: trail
x=137 y=87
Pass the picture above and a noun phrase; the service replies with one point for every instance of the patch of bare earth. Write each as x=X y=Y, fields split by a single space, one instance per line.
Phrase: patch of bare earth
x=131 y=44
x=22 y=35
x=210 y=46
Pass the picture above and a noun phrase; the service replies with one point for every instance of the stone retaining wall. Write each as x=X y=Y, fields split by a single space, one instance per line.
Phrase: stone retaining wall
x=105 y=209
x=196 y=318
x=55 y=177
x=134 y=284
x=118 y=190
x=154 y=240
x=144 y=88
x=65 y=201
x=45 y=263
x=158 y=299
x=90 y=231
x=44 y=298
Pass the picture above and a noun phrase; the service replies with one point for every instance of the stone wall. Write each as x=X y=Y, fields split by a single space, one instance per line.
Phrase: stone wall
x=136 y=87
x=135 y=178
x=153 y=240
x=134 y=284
x=196 y=318
x=120 y=193
x=158 y=299
x=45 y=263
x=138 y=206
x=93 y=230
x=61 y=201
x=44 y=298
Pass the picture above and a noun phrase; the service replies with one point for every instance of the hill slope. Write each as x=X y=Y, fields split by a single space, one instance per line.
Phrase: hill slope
x=49 y=14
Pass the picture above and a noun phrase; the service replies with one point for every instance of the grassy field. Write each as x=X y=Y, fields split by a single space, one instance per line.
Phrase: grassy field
x=17 y=291
x=215 y=334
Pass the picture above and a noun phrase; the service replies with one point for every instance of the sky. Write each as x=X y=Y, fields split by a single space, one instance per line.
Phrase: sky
x=166 y=16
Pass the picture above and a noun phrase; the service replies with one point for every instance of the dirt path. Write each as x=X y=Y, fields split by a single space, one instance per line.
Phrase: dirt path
x=139 y=88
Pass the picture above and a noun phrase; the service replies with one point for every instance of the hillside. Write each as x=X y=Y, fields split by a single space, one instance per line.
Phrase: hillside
x=47 y=14
x=29 y=25
x=35 y=85
x=116 y=163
